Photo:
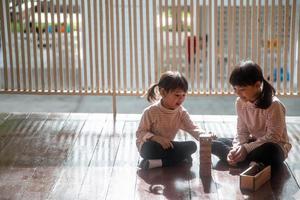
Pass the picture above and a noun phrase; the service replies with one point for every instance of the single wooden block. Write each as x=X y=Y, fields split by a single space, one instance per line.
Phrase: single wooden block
x=205 y=169
x=205 y=154
x=252 y=180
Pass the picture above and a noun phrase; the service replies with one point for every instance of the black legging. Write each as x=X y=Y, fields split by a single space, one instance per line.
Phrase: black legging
x=268 y=153
x=171 y=156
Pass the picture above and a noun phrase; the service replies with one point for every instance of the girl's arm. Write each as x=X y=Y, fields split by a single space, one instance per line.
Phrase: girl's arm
x=143 y=132
x=275 y=125
x=189 y=126
x=243 y=134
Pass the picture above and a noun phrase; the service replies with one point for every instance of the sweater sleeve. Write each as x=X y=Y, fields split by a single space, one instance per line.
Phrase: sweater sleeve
x=143 y=132
x=189 y=126
x=243 y=134
x=275 y=125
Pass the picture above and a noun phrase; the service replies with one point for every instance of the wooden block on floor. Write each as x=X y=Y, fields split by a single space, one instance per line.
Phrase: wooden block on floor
x=205 y=155
x=205 y=169
x=253 y=178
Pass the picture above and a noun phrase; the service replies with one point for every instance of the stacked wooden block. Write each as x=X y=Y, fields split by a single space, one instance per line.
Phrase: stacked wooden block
x=205 y=154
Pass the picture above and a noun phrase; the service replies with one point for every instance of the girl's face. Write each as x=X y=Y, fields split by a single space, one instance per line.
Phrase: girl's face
x=172 y=99
x=249 y=92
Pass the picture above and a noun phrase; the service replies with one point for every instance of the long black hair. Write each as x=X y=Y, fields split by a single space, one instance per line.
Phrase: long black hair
x=169 y=81
x=248 y=73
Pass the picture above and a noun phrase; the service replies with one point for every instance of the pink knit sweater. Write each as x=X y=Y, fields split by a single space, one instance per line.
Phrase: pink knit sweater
x=265 y=125
x=158 y=120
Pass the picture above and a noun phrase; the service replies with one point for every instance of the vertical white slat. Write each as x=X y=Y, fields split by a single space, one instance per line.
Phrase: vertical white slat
x=124 y=65
x=135 y=43
x=234 y=42
x=174 y=46
x=234 y=33
x=179 y=38
x=167 y=35
x=53 y=45
x=91 y=65
x=72 y=45
x=221 y=51
x=61 y=80
x=271 y=41
x=45 y=6
x=292 y=47
x=112 y=31
x=40 y=35
x=101 y=28
x=118 y=64
x=148 y=43
x=24 y=87
x=204 y=49
x=185 y=40
x=279 y=41
x=215 y=90
x=198 y=34
x=253 y=31
x=155 y=51
x=84 y=46
x=28 y=50
x=16 y=45
x=78 y=25
x=9 y=37
x=298 y=65
x=266 y=31
x=34 y=39
x=285 y=51
x=96 y=34
x=130 y=46
x=247 y=18
x=230 y=43
x=192 y=67
x=66 y=46
x=142 y=45
x=108 y=20
x=210 y=48
x=259 y=43
x=161 y=36
x=241 y=22
x=5 y=75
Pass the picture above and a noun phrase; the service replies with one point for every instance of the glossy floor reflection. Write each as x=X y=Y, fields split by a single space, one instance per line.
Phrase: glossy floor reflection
x=91 y=156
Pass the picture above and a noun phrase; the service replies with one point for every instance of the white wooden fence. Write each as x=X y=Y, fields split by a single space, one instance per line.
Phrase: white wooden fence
x=120 y=47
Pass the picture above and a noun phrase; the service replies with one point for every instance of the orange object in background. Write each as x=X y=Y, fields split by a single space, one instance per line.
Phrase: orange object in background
x=272 y=43
x=62 y=28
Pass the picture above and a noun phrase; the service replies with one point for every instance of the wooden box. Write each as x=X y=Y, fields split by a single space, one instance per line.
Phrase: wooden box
x=252 y=180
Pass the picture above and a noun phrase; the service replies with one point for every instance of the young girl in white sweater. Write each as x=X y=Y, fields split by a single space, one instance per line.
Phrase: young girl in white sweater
x=162 y=120
x=261 y=128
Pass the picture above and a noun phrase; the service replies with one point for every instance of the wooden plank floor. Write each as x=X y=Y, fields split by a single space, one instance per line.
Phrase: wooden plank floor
x=91 y=156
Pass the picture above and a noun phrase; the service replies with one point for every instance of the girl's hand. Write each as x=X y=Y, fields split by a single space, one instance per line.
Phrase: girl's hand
x=212 y=135
x=230 y=157
x=164 y=142
x=237 y=154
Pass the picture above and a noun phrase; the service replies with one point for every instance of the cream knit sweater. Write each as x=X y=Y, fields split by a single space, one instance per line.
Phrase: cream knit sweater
x=266 y=125
x=158 y=120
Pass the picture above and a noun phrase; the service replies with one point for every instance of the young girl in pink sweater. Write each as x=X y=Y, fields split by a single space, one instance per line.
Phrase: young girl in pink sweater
x=162 y=120
x=261 y=128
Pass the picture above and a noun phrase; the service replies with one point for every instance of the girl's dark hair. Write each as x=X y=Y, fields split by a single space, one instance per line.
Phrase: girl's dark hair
x=248 y=73
x=169 y=81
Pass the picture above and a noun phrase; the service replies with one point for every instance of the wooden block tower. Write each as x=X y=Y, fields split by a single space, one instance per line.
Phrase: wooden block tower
x=205 y=154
